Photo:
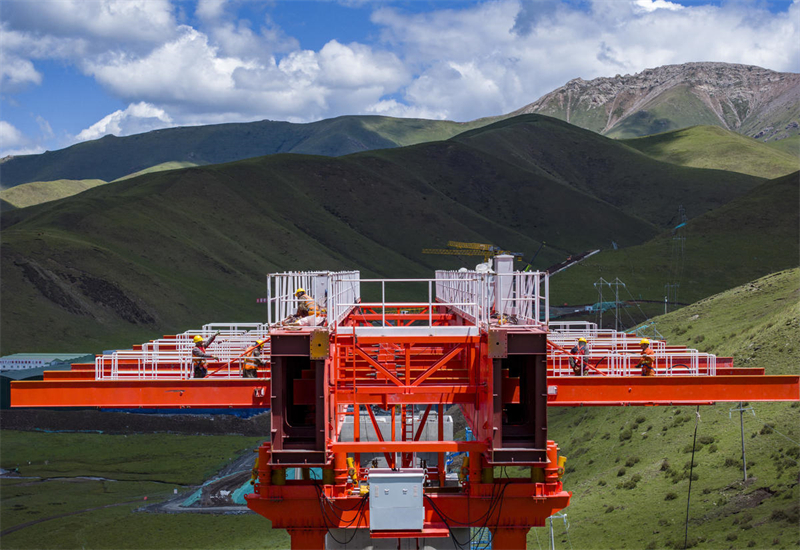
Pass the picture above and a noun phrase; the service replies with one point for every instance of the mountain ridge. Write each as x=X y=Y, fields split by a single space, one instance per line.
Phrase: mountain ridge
x=751 y=100
x=205 y=236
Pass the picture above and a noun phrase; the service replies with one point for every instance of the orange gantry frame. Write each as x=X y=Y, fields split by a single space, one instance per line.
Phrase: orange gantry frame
x=480 y=341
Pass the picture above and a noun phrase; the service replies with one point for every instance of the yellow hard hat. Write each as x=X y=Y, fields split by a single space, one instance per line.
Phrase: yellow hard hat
x=197 y=338
x=644 y=341
x=260 y=342
x=582 y=339
x=299 y=290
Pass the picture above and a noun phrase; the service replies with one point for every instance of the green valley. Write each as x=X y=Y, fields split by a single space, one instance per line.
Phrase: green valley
x=205 y=236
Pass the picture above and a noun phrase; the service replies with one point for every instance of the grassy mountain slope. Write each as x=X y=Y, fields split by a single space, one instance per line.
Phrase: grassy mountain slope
x=112 y=157
x=170 y=250
x=598 y=166
x=158 y=168
x=789 y=145
x=37 y=192
x=717 y=148
x=628 y=468
x=747 y=238
x=675 y=108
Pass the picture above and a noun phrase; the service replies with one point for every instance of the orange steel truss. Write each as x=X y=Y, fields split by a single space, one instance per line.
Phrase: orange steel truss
x=411 y=361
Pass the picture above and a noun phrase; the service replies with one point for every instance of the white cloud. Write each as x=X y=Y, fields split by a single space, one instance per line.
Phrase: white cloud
x=116 y=20
x=10 y=136
x=13 y=142
x=44 y=127
x=653 y=5
x=495 y=57
x=16 y=72
x=210 y=10
x=460 y=62
x=135 y=119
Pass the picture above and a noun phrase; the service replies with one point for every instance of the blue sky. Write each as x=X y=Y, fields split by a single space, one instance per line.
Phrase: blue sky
x=74 y=70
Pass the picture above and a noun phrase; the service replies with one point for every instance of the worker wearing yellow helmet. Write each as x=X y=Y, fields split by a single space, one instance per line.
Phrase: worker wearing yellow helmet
x=579 y=357
x=252 y=360
x=308 y=312
x=200 y=356
x=647 y=359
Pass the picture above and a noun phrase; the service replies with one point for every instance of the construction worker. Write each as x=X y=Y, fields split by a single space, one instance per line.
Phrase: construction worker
x=580 y=354
x=252 y=360
x=648 y=358
x=308 y=311
x=199 y=355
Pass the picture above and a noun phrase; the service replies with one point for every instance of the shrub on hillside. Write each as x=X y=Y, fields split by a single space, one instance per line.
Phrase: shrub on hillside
x=706 y=439
x=670 y=496
x=627 y=434
x=632 y=461
x=621 y=472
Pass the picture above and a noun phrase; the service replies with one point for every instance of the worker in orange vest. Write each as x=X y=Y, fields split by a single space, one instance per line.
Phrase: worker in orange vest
x=580 y=352
x=308 y=311
x=252 y=360
x=199 y=355
x=648 y=358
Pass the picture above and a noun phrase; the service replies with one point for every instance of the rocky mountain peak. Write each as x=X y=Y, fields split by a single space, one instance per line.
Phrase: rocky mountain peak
x=744 y=98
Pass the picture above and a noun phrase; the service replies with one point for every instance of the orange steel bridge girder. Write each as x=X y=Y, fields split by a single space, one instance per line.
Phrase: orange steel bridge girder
x=565 y=391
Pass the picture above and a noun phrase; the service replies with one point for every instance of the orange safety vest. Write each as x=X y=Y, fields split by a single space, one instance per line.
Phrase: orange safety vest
x=308 y=306
x=648 y=361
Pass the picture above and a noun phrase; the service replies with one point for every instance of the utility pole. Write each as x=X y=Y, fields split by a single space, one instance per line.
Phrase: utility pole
x=599 y=286
x=741 y=410
x=616 y=283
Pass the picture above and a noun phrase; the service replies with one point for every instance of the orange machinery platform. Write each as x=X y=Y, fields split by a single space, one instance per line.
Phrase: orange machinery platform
x=480 y=341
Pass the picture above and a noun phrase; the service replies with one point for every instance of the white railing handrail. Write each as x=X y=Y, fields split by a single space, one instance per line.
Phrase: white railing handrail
x=171 y=358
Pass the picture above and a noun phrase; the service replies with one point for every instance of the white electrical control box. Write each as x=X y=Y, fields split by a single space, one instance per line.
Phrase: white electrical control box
x=395 y=499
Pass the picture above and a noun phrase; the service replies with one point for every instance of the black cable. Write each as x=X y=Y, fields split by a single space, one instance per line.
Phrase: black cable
x=360 y=509
x=691 y=468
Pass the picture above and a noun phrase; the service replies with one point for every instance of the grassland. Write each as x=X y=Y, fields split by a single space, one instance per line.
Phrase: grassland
x=676 y=108
x=749 y=237
x=76 y=512
x=790 y=145
x=37 y=192
x=717 y=148
x=628 y=468
x=166 y=251
x=112 y=157
x=158 y=168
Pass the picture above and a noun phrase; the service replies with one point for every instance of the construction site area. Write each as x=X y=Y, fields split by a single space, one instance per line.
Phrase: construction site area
x=364 y=384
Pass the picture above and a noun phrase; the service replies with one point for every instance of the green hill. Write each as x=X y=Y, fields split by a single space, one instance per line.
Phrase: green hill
x=629 y=467
x=158 y=168
x=170 y=250
x=752 y=235
x=37 y=192
x=715 y=147
x=598 y=166
x=790 y=145
x=112 y=157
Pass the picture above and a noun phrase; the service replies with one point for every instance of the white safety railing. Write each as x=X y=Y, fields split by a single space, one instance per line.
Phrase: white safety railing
x=517 y=298
x=523 y=296
x=459 y=301
x=171 y=358
x=344 y=293
x=281 y=289
x=465 y=287
x=618 y=354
